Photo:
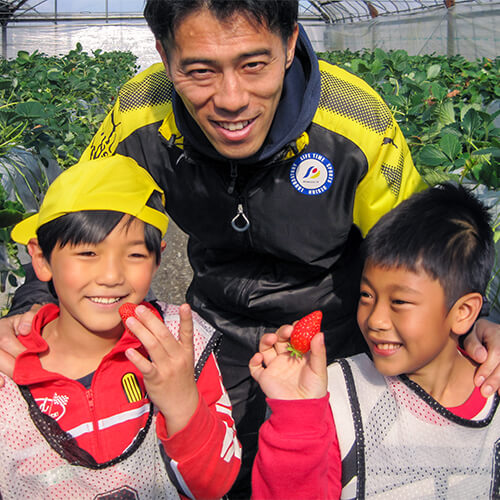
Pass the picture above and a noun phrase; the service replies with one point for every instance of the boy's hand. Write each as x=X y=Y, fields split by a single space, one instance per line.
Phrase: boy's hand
x=169 y=375
x=281 y=376
x=483 y=346
x=10 y=347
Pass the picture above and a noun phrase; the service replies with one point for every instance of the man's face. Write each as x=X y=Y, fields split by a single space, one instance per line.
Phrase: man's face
x=230 y=77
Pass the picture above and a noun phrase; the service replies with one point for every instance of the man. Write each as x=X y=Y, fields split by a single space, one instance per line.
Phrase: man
x=273 y=164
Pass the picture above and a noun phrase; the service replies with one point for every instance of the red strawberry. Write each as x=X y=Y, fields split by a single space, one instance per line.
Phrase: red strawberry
x=127 y=310
x=303 y=332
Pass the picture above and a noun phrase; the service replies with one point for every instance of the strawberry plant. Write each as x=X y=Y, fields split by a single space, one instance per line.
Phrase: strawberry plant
x=50 y=107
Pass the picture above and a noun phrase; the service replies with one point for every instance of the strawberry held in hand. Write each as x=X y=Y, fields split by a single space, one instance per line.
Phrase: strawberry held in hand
x=127 y=310
x=303 y=332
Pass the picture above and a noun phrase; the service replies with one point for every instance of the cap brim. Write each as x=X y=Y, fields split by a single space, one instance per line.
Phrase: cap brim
x=25 y=230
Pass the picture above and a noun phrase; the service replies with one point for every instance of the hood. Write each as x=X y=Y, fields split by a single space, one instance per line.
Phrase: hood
x=297 y=106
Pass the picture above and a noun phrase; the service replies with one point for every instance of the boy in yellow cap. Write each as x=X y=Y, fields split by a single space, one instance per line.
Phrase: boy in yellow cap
x=78 y=420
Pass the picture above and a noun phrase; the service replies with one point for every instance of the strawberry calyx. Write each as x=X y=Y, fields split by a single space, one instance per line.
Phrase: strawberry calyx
x=294 y=353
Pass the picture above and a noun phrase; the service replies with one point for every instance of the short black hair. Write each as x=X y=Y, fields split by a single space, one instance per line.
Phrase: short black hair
x=92 y=227
x=164 y=16
x=444 y=231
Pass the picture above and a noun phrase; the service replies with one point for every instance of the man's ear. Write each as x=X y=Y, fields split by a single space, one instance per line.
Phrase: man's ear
x=465 y=311
x=41 y=267
x=160 y=49
x=290 y=46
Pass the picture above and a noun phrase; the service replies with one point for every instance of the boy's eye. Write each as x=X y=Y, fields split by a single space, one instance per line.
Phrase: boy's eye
x=399 y=302
x=364 y=294
x=138 y=255
x=86 y=253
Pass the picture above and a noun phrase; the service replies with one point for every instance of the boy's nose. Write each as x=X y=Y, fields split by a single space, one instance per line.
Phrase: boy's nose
x=379 y=318
x=110 y=273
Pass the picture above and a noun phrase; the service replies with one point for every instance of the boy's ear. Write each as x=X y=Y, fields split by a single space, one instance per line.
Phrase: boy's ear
x=163 y=245
x=40 y=265
x=465 y=311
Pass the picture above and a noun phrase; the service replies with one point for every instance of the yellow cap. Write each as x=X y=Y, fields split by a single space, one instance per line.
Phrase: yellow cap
x=115 y=183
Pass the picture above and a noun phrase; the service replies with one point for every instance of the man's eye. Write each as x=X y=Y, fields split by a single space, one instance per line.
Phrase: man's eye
x=200 y=73
x=254 y=65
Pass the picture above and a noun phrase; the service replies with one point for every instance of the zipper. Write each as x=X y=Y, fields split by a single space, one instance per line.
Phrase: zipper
x=89 y=393
x=233 y=174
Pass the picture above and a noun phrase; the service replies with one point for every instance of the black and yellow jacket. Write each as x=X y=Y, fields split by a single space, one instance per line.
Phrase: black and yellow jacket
x=334 y=162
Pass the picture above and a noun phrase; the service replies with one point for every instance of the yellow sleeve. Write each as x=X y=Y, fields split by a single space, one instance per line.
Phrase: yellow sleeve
x=390 y=179
x=143 y=100
x=350 y=107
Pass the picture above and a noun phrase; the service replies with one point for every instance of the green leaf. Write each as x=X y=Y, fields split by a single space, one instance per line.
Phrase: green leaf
x=450 y=146
x=432 y=156
x=29 y=109
x=488 y=151
x=54 y=74
x=9 y=217
x=5 y=83
x=433 y=71
x=471 y=122
x=446 y=113
x=23 y=55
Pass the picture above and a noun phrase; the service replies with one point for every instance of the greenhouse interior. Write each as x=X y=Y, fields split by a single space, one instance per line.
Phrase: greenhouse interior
x=436 y=64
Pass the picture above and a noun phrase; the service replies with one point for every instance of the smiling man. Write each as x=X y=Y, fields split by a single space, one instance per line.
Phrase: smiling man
x=275 y=165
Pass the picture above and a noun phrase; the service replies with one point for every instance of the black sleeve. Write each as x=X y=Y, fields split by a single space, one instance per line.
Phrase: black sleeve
x=31 y=292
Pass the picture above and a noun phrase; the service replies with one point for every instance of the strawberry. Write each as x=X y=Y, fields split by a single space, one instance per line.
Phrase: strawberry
x=303 y=332
x=126 y=310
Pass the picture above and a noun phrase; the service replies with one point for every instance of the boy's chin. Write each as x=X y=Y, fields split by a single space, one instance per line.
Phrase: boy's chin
x=386 y=369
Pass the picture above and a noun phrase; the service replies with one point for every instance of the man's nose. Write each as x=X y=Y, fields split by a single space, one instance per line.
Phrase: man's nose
x=231 y=94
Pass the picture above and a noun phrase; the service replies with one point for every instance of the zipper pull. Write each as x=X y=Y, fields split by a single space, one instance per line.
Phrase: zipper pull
x=243 y=223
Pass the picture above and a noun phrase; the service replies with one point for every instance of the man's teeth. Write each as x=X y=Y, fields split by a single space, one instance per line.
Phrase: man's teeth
x=105 y=300
x=234 y=126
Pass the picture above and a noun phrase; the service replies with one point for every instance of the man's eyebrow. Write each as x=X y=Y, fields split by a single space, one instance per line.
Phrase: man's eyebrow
x=199 y=60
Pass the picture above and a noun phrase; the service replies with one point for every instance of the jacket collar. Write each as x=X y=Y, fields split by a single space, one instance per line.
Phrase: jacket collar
x=28 y=369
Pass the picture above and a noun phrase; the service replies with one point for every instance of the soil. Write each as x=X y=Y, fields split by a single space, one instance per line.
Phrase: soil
x=174 y=274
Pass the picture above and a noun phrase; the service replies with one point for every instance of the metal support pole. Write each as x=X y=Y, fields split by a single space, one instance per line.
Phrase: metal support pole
x=450 y=41
x=55 y=11
x=4 y=41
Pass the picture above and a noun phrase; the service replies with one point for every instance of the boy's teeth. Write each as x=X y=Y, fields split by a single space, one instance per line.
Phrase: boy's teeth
x=105 y=300
x=234 y=126
x=386 y=347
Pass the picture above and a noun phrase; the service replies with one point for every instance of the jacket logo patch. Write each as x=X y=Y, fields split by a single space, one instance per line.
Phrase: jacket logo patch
x=311 y=174
x=54 y=407
x=131 y=387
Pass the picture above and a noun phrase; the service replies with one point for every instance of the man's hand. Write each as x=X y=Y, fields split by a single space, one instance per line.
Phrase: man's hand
x=483 y=346
x=169 y=374
x=282 y=376
x=10 y=347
